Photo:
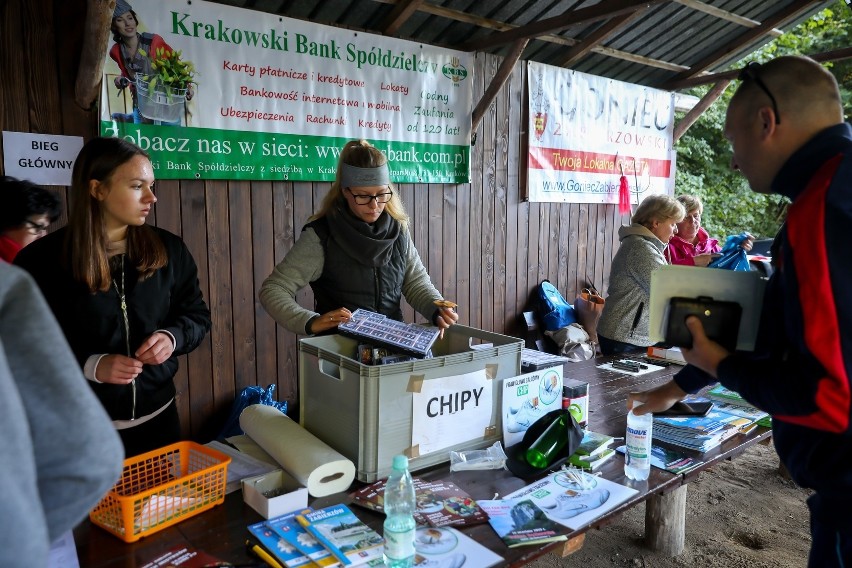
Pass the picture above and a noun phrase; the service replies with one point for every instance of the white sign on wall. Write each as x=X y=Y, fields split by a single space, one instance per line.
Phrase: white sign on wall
x=451 y=410
x=586 y=131
x=44 y=159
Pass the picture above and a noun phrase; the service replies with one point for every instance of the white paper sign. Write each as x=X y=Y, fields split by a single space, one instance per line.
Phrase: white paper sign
x=44 y=159
x=527 y=398
x=451 y=410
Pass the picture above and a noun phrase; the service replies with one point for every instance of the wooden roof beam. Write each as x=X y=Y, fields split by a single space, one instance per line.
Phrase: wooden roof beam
x=399 y=15
x=498 y=81
x=95 y=41
x=689 y=119
x=600 y=11
x=749 y=36
x=582 y=48
x=725 y=15
x=834 y=55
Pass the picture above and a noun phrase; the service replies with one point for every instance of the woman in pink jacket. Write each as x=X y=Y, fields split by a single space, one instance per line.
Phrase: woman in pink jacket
x=692 y=245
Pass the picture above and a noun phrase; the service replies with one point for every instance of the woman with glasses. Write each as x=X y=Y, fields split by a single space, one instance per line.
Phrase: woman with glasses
x=27 y=212
x=355 y=252
x=125 y=293
x=692 y=245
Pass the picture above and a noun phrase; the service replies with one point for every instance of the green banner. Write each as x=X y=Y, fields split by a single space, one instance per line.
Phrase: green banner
x=208 y=153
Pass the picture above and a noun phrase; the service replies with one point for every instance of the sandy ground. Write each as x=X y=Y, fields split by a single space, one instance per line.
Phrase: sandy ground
x=740 y=514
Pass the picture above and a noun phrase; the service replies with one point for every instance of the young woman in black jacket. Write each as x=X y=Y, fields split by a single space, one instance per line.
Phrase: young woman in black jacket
x=126 y=294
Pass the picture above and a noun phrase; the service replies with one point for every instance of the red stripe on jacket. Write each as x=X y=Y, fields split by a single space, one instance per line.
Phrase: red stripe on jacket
x=806 y=233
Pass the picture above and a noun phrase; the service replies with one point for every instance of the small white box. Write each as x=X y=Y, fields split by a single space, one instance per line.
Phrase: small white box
x=288 y=494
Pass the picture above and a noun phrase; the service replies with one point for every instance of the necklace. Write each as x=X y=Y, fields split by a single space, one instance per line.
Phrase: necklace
x=123 y=303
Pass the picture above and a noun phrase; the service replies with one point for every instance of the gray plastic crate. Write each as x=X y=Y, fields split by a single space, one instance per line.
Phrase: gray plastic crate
x=364 y=412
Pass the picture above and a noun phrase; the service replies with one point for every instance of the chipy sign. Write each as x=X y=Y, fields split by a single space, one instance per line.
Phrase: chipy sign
x=450 y=410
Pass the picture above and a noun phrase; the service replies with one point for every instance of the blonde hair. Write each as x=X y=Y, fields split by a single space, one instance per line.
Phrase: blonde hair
x=361 y=154
x=658 y=208
x=691 y=203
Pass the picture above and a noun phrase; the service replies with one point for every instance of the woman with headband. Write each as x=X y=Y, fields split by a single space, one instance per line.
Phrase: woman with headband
x=355 y=252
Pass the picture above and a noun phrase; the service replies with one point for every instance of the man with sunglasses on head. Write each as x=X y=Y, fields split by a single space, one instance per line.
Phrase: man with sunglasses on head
x=355 y=252
x=785 y=124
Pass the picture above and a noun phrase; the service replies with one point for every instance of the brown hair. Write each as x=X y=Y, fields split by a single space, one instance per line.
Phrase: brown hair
x=86 y=240
x=361 y=154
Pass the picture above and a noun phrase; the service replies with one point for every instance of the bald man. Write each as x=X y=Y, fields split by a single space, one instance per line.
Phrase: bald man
x=785 y=124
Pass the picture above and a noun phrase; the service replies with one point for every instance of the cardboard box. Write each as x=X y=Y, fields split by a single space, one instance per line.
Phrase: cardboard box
x=365 y=412
x=274 y=494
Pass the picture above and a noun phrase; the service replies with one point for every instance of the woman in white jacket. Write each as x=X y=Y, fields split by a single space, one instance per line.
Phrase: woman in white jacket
x=624 y=322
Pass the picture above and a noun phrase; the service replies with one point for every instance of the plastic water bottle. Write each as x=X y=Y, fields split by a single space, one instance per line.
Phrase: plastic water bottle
x=637 y=457
x=399 y=527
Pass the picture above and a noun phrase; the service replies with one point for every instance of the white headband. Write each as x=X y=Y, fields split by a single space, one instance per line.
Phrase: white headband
x=353 y=176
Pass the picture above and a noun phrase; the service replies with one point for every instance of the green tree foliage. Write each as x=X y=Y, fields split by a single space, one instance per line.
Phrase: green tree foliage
x=704 y=155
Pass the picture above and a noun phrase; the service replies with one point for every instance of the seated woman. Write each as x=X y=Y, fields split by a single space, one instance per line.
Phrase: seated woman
x=625 y=319
x=692 y=245
x=355 y=252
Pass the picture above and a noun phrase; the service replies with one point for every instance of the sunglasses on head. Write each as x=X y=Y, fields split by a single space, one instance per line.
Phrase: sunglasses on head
x=750 y=73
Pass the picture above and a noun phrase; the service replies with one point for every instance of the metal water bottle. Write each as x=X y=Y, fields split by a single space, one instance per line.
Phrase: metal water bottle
x=399 y=526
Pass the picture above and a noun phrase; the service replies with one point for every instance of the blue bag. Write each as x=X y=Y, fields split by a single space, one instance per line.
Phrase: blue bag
x=554 y=311
x=247 y=397
x=733 y=255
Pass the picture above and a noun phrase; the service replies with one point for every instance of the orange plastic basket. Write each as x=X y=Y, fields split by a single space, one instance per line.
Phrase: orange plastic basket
x=161 y=488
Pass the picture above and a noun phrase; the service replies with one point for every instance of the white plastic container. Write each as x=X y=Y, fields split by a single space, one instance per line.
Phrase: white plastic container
x=637 y=457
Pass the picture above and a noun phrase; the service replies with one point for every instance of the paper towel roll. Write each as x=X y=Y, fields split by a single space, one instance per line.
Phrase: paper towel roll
x=304 y=456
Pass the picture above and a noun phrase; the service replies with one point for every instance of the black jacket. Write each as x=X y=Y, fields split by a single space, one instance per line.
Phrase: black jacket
x=93 y=324
x=801 y=370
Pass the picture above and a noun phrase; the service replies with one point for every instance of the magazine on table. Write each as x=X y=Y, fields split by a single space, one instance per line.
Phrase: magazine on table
x=439 y=503
x=521 y=522
x=671 y=460
x=287 y=528
x=574 y=498
x=343 y=534
x=283 y=551
x=446 y=547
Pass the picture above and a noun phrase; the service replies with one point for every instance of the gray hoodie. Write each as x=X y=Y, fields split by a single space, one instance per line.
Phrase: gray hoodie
x=639 y=254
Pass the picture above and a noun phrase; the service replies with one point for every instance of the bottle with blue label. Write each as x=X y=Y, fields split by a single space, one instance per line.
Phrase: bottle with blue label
x=637 y=455
x=399 y=526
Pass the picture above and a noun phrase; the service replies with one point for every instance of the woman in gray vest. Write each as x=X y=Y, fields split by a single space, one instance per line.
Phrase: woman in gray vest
x=355 y=252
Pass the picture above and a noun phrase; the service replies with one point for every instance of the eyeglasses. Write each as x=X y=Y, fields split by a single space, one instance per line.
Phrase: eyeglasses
x=36 y=228
x=363 y=199
x=749 y=72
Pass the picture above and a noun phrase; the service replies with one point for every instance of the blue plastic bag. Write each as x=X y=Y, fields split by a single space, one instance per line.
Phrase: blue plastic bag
x=733 y=255
x=247 y=397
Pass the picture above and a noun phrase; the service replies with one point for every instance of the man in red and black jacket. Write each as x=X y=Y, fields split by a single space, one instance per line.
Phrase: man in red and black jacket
x=786 y=127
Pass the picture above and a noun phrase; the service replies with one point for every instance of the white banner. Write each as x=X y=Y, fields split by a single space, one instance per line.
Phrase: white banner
x=585 y=132
x=451 y=410
x=276 y=98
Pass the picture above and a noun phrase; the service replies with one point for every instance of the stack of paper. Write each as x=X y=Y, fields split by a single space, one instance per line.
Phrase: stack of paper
x=701 y=433
x=731 y=402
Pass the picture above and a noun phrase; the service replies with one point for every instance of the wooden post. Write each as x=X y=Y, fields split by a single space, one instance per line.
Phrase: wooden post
x=665 y=522
x=572 y=545
x=95 y=39
x=696 y=112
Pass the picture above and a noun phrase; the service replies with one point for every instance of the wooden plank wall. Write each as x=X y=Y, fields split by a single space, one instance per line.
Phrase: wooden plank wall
x=484 y=246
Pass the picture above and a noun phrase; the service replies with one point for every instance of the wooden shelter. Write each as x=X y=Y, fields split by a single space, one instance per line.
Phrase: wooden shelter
x=483 y=244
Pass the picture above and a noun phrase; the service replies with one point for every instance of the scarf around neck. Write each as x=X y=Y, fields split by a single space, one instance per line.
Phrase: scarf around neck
x=370 y=245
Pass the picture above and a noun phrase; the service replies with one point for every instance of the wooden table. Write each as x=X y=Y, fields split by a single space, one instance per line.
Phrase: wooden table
x=222 y=532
